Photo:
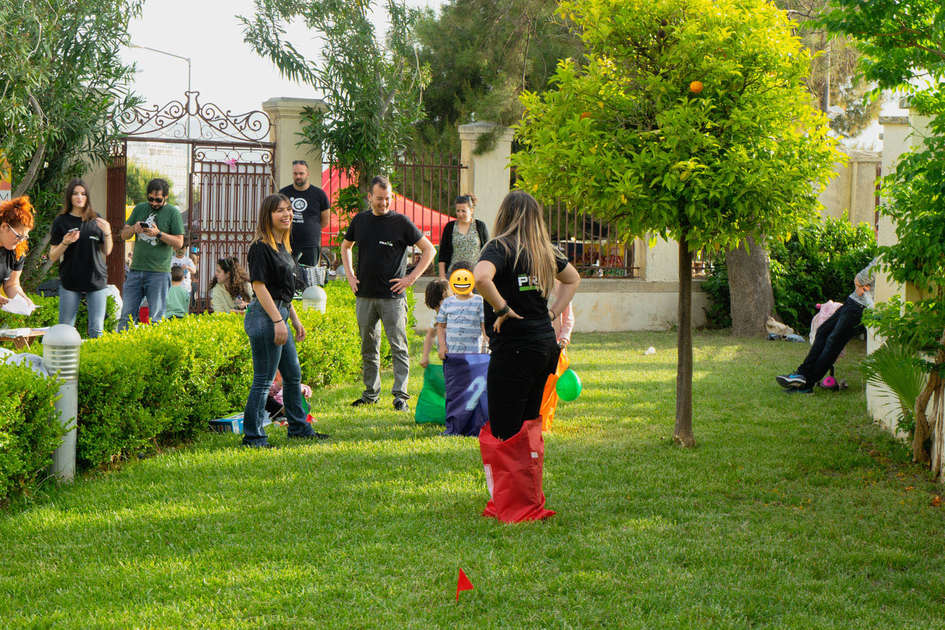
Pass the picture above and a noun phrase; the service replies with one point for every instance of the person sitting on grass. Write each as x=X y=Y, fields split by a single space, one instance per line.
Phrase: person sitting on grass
x=460 y=321
x=832 y=336
x=230 y=290
x=435 y=293
x=178 y=297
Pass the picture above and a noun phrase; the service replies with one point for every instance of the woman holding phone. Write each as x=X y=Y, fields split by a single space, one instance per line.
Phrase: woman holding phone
x=81 y=240
x=271 y=271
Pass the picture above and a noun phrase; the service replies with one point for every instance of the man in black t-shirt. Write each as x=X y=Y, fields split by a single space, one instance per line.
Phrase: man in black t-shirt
x=382 y=237
x=309 y=214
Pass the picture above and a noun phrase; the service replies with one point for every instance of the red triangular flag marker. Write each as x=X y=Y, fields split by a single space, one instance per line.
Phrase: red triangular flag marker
x=462 y=584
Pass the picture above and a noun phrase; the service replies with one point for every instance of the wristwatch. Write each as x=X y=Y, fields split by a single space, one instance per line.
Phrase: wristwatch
x=159 y=235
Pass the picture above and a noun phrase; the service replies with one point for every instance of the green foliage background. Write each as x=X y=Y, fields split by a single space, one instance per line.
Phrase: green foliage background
x=817 y=263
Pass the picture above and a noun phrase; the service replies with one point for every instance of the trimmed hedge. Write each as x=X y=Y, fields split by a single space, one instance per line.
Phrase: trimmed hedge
x=159 y=385
x=29 y=427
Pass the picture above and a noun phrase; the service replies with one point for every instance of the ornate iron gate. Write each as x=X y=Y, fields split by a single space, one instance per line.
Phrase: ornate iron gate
x=231 y=169
x=228 y=184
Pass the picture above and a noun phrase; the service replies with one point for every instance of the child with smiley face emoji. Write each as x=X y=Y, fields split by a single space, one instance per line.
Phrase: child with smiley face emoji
x=460 y=322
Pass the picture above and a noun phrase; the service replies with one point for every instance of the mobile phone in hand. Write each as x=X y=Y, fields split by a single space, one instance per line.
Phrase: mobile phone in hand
x=142 y=225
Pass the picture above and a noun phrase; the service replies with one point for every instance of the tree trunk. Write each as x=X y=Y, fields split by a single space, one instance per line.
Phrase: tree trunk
x=33 y=171
x=749 y=281
x=682 y=433
x=923 y=430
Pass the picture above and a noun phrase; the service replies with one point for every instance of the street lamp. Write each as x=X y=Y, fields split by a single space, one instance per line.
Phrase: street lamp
x=170 y=54
x=190 y=167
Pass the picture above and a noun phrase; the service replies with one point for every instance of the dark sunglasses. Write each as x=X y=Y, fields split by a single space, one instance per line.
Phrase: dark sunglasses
x=155 y=199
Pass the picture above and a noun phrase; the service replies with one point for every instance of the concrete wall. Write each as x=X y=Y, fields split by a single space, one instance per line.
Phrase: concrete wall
x=852 y=193
x=900 y=134
x=612 y=305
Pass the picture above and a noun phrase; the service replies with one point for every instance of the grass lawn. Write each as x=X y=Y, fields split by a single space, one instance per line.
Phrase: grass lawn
x=792 y=512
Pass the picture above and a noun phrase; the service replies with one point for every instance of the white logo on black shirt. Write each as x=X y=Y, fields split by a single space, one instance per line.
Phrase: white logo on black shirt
x=299 y=205
x=388 y=243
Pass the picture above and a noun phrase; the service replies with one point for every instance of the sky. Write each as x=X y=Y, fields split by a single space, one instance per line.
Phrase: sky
x=224 y=69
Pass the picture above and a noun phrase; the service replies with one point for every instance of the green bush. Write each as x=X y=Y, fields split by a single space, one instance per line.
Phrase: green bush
x=816 y=264
x=47 y=314
x=29 y=427
x=159 y=385
x=718 y=314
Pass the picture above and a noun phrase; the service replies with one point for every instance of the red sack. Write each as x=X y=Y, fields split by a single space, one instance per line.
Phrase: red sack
x=513 y=473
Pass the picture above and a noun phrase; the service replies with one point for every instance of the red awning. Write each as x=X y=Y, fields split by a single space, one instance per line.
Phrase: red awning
x=428 y=220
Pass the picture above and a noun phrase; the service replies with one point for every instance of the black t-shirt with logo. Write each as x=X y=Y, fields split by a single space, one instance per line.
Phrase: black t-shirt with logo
x=275 y=269
x=522 y=294
x=307 y=207
x=9 y=263
x=82 y=267
x=382 y=246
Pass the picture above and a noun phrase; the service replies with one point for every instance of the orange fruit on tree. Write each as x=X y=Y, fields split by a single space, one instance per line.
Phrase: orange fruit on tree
x=695 y=87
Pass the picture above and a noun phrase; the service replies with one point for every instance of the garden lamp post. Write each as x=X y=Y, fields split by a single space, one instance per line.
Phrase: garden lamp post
x=61 y=357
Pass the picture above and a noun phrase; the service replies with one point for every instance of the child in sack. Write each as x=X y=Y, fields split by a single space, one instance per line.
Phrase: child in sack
x=460 y=320
x=460 y=327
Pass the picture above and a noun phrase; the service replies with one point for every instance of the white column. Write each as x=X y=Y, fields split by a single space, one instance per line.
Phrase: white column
x=488 y=175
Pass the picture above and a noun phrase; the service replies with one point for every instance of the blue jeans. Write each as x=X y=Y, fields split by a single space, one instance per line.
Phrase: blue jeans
x=267 y=358
x=69 y=307
x=140 y=284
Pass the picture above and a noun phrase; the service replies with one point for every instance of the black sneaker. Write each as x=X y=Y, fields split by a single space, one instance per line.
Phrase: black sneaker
x=360 y=401
x=791 y=381
x=256 y=445
x=401 y=405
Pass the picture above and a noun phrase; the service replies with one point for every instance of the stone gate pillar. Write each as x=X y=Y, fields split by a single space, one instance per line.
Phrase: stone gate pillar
x=286 y=116
x=488 y=175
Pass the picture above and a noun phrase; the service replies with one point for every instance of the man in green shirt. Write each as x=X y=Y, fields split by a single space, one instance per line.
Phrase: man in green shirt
x=159 y=231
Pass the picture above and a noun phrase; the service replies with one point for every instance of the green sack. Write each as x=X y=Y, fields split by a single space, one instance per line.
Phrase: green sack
x=431 y=404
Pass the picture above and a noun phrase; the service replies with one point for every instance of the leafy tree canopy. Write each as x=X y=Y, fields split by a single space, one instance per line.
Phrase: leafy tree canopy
x=60 y=79
x=482 y=54
x=689 y=118
x=372 y=89
x=903 y=46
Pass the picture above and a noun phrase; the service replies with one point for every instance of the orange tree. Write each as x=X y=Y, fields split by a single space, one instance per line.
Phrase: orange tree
x=629 y=137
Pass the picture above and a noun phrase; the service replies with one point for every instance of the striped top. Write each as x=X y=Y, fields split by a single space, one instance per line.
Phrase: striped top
x=463 y=319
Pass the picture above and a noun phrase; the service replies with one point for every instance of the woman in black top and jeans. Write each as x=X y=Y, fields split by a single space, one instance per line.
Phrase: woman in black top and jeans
x=271 y=271
x=81 y=239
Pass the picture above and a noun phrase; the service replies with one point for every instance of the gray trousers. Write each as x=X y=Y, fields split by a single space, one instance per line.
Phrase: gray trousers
x=371 y=312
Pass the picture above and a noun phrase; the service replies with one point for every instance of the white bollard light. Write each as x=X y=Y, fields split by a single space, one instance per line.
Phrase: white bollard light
x=61 y=354
x=315 y=297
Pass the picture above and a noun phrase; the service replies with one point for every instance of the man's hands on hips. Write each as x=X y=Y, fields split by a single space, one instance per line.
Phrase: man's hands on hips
x=398 y=285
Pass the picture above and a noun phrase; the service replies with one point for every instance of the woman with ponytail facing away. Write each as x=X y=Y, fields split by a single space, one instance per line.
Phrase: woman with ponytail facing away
x=515 y=275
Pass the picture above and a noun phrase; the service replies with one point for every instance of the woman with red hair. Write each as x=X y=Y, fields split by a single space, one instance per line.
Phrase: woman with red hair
x=16 y=221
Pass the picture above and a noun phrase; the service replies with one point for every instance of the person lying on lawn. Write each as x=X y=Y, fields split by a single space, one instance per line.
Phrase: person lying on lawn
x=832 y=336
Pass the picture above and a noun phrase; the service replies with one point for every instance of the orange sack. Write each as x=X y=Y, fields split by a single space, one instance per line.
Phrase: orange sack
x=549 y=398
